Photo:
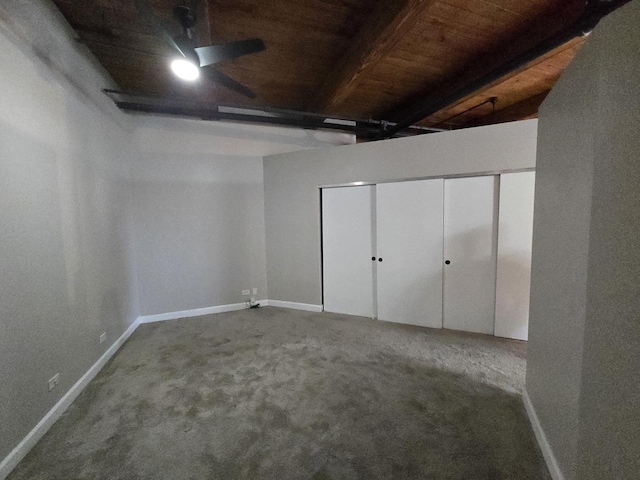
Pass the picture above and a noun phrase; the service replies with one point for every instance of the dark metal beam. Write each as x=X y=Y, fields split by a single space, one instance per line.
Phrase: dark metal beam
x=186 y=107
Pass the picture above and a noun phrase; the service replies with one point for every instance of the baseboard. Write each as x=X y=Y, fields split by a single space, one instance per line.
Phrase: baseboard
x=18 y=453
x=196 y=312
x=296 y=306
x=28 y=442
x=545 y=446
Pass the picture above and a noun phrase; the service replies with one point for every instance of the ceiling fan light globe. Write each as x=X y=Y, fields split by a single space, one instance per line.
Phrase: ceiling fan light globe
x=185 y=69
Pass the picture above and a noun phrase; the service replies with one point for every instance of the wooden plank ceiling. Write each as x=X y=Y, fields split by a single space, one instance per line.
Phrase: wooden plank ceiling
x=351 y=58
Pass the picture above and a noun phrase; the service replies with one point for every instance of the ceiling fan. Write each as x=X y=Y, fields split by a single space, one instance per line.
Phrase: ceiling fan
x=191 y=60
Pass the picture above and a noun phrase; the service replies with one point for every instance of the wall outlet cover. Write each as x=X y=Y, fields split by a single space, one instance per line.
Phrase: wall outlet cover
x=255 y=291
x=246 y=292
x=53 y=381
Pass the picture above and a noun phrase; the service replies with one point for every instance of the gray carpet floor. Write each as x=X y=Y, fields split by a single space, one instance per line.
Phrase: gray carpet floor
x=283 y=394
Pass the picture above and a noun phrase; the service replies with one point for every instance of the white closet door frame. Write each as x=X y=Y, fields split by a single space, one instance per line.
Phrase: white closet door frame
x=347 y=231
x=409 y=243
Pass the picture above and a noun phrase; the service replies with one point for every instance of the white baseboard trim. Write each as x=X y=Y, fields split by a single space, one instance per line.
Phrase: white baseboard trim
x=196 y=312
x=545 y=446
x=28 y=442
x=296 y=306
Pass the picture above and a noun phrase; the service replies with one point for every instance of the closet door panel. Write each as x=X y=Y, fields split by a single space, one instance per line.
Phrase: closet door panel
x=347 y=229
x=409 y=242
x=470 y=241
x=515 y=236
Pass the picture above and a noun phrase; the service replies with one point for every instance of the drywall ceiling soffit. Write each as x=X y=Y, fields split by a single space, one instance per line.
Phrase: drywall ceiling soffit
x=350 y=59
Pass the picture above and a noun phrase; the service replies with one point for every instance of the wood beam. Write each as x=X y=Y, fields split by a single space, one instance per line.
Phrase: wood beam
x=518 y=111
x=384 y=28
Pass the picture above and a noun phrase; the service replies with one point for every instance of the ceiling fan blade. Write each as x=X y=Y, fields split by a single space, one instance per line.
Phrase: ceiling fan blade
x=226 y=51
x=219 y=77
x=151 y=19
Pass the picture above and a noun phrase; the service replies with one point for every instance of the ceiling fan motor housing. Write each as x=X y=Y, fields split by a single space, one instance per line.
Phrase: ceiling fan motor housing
x=204 y=56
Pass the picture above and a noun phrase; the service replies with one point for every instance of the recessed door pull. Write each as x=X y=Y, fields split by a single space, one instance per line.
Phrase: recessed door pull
x=373 y=258
x=380 y=259
x=447 y=262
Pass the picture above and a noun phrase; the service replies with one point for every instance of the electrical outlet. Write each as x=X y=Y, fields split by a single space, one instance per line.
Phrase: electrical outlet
x=103 y=337
x=255 y=291
x=53 y=381
x=246 y=292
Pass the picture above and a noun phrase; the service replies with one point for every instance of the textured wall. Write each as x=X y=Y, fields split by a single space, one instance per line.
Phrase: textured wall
x=66 y=253
x=75 y=175
x=582 y=357
x=199 y=208
x=564 y=177
x=609 y=438
x=199 y=225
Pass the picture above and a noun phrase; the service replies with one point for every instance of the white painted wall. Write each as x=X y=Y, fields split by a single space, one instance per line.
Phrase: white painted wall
x=75 y=174
x=292 y=181
x=198 y=218
x=155 y=132
x=66 y=252
x=559 y=260
x=199 y=208
x=584 y=329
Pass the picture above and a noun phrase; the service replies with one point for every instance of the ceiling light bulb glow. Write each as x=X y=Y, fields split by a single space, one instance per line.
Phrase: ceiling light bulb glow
x=185 y=69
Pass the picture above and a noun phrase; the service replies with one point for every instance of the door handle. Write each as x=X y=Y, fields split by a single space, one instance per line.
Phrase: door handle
x=373 y=258
x=380 y=259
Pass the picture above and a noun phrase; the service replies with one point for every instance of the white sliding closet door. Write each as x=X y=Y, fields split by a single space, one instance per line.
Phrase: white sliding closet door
x=409 y=242
x=470 y=240
x=347 y=236
x=515 y=236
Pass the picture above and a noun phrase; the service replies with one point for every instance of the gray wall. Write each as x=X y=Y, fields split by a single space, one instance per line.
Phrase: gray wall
x=199 y=222
x=292 y=199
x=609 y=436
x=584 y=330
x=199 y=209
x=564 y=177
x=66 y=254
x=76 y=174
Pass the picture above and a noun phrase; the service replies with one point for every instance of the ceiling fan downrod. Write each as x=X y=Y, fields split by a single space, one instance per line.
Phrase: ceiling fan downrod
x=187 y=18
